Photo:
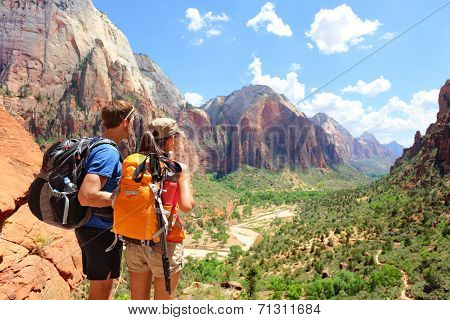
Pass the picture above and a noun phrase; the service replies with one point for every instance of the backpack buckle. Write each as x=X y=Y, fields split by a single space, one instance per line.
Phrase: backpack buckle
x=146 y=243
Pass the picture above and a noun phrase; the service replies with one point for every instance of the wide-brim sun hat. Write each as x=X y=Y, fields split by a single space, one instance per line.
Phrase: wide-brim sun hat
x=163 y=127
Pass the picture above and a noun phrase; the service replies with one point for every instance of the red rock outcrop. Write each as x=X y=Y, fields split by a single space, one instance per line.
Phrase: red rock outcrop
x=36 y=260
x=20 y=159
x=443 y=156
x=429 y=151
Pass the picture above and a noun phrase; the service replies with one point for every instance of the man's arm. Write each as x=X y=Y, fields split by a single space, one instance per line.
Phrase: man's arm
x=90 y=194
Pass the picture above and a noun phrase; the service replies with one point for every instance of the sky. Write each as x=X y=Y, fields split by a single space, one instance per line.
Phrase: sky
x=211 y=48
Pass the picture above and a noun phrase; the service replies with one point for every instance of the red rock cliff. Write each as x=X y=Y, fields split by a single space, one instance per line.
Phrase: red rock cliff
x=260 y=128
x=36 y=261
x=431 y=150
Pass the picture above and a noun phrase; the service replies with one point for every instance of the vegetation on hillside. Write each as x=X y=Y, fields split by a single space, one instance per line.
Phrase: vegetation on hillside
x=251 y=187
x=362 y=243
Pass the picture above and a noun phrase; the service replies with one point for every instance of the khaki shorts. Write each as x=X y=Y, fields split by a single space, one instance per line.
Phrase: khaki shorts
x=143 y=259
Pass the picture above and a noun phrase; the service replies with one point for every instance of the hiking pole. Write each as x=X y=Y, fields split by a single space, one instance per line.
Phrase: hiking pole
x=162 y=220
x=164 y=249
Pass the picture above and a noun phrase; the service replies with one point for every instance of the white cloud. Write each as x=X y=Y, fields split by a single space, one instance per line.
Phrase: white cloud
x=198 y=22
x=389 y=35
x=343 y=111
x=371 y=89
x=209 y=23
x=213 y=32
x=268 y=18
x=290 y=86
x=295 y=66
x=198 y=42
x=396 y=120
x=365 y=47
x=194 y=98
x=309 y=45
x=334 y=30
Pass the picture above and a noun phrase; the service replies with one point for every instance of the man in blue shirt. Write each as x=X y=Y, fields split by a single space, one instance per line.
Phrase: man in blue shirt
x=103 y=171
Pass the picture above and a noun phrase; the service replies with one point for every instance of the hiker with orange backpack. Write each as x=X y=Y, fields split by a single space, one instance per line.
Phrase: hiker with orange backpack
x=152 y=189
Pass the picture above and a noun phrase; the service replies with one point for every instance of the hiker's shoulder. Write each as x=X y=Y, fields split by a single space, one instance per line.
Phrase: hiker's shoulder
x=106 y=150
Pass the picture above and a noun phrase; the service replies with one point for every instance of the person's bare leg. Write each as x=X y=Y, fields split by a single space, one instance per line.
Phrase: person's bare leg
x=160 y=287
x=100 y=289
x=140 y=285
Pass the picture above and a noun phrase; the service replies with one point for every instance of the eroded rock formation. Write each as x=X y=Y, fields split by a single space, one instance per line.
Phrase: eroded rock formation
x=260 y=128
x=429 y=151
x=36 y=261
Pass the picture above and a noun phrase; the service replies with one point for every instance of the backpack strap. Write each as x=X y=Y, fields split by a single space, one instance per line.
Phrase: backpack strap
x=106 y=212
x=100 y=142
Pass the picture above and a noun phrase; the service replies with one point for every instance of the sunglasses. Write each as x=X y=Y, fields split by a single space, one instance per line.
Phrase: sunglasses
x=130 y=113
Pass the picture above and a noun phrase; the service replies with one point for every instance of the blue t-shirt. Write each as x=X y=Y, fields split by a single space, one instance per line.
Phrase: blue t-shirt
x=106 y=161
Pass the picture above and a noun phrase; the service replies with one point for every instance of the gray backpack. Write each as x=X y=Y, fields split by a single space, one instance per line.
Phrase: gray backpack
x=53 y=195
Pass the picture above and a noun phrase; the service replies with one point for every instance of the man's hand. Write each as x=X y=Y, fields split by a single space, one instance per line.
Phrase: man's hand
x=90 y=194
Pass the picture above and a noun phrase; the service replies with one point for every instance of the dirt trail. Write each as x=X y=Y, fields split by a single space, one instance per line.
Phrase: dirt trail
x=403 y=295
x=201 y=253
x=243 y=232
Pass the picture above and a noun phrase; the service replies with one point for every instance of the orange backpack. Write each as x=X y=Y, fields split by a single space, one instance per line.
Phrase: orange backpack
x=135 y=214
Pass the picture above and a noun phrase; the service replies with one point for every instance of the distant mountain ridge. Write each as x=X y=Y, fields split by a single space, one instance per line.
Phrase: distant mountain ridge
x=258 y=127
x=364 y=153
x=395 y=148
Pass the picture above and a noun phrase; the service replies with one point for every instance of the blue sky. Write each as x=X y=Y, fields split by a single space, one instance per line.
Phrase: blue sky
x=211 y=47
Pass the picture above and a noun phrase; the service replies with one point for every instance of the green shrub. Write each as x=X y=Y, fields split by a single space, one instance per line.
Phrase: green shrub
x=388 y=276
x=294 y=291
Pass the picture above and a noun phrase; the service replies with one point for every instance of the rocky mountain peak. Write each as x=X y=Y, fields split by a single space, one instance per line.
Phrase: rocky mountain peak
x=164 y=93
x=368 y=137
x=430 y=151
x=365 y=147
x=261 y=128
x=395 y=148
x=444 y=99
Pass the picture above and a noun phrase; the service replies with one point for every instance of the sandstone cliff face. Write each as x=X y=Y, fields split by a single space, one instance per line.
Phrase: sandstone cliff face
x=61 y=62
x=337 y=134
x=364 y=147
x=44 y=42
x=164 y=93
x=198 y=130
x=36 y=261
x=429 y=151
x=260 y=128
